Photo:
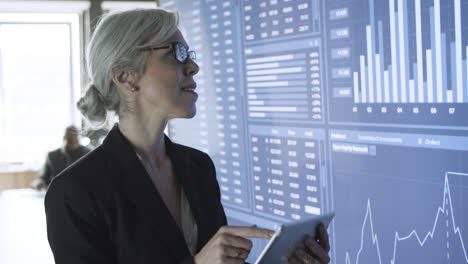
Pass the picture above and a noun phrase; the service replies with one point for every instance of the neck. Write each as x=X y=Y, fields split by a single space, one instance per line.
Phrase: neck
x=147 y=137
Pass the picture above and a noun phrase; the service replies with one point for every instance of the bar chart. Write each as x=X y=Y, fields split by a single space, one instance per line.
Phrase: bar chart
x=284 y=84
x=284 y=77
x=407 y=58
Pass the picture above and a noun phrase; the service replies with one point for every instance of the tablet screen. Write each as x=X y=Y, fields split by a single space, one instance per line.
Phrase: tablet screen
x=288 y=236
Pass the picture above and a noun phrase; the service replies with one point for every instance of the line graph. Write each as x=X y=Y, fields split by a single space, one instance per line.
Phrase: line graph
x=446 y=209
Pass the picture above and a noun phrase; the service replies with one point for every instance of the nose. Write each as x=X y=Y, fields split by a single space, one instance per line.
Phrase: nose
x=191 y=67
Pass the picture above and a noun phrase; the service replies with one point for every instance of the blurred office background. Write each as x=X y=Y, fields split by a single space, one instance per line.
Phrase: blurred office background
x=42 y=47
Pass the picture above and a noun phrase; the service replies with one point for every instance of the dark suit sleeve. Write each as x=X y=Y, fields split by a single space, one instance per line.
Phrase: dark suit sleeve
x=75 y=229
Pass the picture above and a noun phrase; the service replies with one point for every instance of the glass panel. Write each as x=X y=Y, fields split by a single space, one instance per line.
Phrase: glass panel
x=36 y=85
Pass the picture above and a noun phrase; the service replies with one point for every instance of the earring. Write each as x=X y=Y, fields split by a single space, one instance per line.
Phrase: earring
x=134 y=89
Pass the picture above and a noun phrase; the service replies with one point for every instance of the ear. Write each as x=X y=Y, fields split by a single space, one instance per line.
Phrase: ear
x=124 y=80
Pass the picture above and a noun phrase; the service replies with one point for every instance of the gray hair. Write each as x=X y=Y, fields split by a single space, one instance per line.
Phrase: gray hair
x=117 y=46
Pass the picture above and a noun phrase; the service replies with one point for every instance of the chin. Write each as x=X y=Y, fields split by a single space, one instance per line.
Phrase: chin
x=192 y=113
x=188 y=113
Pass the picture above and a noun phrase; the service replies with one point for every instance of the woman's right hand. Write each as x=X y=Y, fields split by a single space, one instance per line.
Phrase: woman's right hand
x=230 y=246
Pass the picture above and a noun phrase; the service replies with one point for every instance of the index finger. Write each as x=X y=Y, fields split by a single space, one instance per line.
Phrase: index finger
x=250 y=231
x=322 y=237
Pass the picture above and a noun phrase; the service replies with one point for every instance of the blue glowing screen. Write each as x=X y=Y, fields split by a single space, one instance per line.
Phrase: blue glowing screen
x=358 y=107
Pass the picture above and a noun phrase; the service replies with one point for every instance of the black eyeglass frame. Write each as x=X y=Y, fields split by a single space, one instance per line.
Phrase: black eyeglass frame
x=179 y=50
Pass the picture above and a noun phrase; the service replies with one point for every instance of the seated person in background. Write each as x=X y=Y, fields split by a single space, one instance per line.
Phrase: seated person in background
x=60 y=158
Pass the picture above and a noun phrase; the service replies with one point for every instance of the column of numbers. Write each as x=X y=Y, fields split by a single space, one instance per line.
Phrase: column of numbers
x=230 y=165
x=281 y=166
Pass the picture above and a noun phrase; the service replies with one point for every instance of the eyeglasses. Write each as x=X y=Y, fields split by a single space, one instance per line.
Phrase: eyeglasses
x=181 y=53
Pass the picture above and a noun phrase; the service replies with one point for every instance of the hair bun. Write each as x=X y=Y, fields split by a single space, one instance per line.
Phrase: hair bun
x=92 y=105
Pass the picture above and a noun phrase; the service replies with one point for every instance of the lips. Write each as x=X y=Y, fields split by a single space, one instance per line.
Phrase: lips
x=190 y=87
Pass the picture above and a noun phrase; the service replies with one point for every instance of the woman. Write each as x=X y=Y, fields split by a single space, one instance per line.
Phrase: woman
x=139 y=198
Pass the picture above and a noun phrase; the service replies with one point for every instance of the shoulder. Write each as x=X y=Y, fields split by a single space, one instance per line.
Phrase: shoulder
x=76 y=198
x=58 y=150
x=195 y=153
x=199 y=157
x=84 y=188
x=201 y=166
x=199 y=163
x=54 y=153
x=90 y=173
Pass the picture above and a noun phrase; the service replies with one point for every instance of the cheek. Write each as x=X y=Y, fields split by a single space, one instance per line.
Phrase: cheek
x=158 y=76
x=170 y=85
x=161 y=87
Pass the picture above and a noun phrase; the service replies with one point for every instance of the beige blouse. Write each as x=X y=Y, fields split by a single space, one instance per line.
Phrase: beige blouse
x=189 y=225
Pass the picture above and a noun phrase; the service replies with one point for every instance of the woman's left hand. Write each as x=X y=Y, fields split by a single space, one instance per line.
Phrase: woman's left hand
x=316 y=249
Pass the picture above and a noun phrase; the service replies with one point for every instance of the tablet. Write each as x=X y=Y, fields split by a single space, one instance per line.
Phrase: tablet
x=288 y=236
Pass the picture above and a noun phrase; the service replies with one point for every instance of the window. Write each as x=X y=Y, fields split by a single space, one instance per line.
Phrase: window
x=40 y=82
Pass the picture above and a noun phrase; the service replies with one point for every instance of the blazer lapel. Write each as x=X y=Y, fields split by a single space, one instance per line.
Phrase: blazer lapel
x=186 y=170
x=138 y=187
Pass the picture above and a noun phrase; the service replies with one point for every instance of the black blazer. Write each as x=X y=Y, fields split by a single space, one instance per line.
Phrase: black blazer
x=105 y=209
x=58 y=160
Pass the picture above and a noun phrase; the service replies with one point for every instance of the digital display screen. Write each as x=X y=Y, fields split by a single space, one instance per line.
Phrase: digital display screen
x=354 y=106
